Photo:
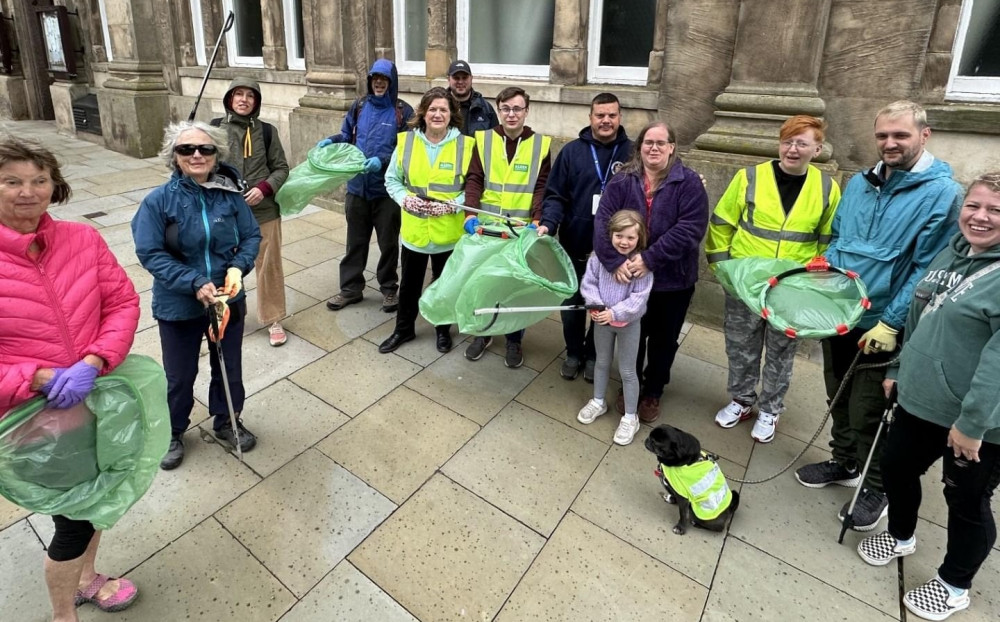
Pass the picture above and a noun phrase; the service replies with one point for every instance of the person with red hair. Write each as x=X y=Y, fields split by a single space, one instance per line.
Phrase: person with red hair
x=780 y=208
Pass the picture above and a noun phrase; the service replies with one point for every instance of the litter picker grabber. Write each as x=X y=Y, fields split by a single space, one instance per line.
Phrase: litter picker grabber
x=497 y=310
x=887 y=417
x=510 y=221
x=214 y=313
x=208 y=70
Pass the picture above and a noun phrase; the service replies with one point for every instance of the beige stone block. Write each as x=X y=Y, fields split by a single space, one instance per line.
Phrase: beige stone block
x=10 y=513
x=528 y=465
x=446 y=554
x=542 y=343
x=705 y=344
x=299 y=229
x=584 y=573
x=560 y=399
x=399 y=442
x=295 y=301
x=423 y=349
x=477 y=390
x=117 y=216
x=304 y=519
x=626 y=498
x=288 y=268
x=321 y=281
x=316 y=325
x=346 y=594
x=204 y=575
x=23 y=596
x=327 y=218
x=750 y=582
x=337 y=235
x=311 y=251
x=354 y=377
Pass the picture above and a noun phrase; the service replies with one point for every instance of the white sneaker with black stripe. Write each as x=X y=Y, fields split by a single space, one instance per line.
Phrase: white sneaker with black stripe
x=882 y=548
x=934 y=601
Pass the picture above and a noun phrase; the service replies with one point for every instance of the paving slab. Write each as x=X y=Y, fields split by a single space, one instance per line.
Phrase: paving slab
x=354 y=377
x=311 y=251
x=322 y=327
x=753 y=585
x=87 y=203
x=23 y=597
x=477 y=390
x=542 y=343
x=303 y=520
x=288 y=268
x=399 y=442
x=293 y=230
x=346 y=594
x=321 y=281
x=295 y=301
x=10 y=513
x=327 y=219
x=287 y=421
x=204 y=576
x=423 y=349
x=146 y=319
x=528 y=465
x=446 y=554
x=585 y=573
x=626 y=498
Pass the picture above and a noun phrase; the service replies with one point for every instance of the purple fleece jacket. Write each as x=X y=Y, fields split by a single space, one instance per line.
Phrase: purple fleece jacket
x=627 y=301
x=677 y=223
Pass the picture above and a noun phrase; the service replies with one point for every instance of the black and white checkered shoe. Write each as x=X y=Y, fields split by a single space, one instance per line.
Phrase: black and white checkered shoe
x=880 y=549
x=933 y=601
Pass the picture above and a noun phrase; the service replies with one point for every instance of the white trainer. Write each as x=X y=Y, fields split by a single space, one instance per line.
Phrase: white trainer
x=763 y=428
x=626 y=430
x=590 y=411
x=733 y=413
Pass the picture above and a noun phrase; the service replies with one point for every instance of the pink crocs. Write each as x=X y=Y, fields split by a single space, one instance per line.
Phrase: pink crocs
x=121 y=599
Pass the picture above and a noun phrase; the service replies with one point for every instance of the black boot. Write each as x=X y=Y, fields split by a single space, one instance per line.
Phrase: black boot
x=175 y=454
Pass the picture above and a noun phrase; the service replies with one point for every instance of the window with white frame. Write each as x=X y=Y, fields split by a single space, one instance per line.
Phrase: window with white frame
x=294 y=41
x=104 y=28
x=410 y=31
x=506 y=37
x=620 y=40
x=975 y=65
x=245 y=40
x=198 y=26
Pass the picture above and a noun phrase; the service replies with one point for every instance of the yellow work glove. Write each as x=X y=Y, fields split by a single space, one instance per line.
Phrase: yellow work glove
x=881 y=338
x=234 y=282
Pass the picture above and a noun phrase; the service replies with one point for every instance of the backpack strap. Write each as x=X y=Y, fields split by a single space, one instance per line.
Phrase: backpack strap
x=216 y=122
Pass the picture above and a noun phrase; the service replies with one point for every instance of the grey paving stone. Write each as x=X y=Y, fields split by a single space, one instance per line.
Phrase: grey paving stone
x=477 y=390
x=146 y=319
x=287 y=420
x=626 y=498
x=542 y=343
x=118 y=215
x=354 y=377
x=446 y=554
x=288 y=268
x=140 y=277
x=346 y=594
x=23 y=597
x=206 y=576
x=117 y=234
x=528 y=465
x=397 y=443
x=87 y=205
x=311 y=251
x=124 y=252
x=753 y=585
x=303 y=520
x=423 y=349
x=321 y=327
x=10 y=513
x=327 y=219
x=321 y=281
x=585 y=573
x=299 y=229
x=295 y=301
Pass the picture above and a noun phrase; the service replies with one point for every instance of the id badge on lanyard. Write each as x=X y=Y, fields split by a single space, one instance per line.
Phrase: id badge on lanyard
x=601 y=178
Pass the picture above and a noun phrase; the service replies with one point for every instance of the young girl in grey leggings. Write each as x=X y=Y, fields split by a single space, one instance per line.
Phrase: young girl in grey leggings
x=624 y=305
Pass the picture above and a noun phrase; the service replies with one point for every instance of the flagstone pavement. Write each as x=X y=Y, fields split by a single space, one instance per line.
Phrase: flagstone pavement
x=422 y=486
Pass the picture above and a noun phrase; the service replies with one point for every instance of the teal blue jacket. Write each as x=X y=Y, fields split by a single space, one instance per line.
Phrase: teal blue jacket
x=889 y=231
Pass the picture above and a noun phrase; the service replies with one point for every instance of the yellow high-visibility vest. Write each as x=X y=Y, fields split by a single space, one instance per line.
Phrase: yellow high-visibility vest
x=703 y=484
x=749 y=220
x=445 y=181
x=508 y=187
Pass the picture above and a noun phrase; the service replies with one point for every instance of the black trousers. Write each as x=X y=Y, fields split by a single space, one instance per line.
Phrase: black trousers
x=411 y=285
x=659 y=330
x=363 y=216
x=578 y=336
x=181 y=345
x=71 y=539
x=911 y=447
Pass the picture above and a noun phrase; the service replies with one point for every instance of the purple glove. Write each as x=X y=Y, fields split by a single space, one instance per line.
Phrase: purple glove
x=71 y=386
x=47 y=387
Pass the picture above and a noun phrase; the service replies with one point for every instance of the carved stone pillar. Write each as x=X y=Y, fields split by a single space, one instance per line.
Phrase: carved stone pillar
x=133 y=100
x=441 y=45
x=384 y=35
x=568 y=58
x=273 y=21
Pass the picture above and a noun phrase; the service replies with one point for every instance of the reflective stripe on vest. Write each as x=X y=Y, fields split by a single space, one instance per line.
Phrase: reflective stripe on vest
x=746 y=221
x=444 y=181
x=459 y=178
x=507 y=190
x=703 y=484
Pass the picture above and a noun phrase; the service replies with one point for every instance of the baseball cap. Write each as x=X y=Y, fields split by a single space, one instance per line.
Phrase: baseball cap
x=459 y=66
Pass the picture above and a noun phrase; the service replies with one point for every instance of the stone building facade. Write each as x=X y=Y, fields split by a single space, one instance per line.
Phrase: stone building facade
x=723 y=73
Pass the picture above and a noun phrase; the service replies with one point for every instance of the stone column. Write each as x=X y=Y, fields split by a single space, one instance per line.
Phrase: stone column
x=273 y=17
x=441 y=45
x=384 y=34
x=13 y=88
x=133 y=100
x=568 y=58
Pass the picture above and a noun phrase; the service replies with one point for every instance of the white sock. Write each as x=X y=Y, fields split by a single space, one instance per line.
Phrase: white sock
x=909 y=542
x=955 y=591
x=632 y=416
x=598 y=402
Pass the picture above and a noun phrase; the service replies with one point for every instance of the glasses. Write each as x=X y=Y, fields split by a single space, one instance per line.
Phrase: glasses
x=662 y=144
x=798 y=144
x=188 y=150
x=506 y=110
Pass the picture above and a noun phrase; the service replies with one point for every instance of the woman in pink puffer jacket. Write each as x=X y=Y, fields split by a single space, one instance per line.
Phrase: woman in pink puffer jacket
x=68 y=313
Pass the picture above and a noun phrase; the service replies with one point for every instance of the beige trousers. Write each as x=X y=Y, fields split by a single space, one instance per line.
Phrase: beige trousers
x=270 y=276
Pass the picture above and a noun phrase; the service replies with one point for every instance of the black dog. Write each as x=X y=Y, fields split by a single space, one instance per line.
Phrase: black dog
x=675 y=448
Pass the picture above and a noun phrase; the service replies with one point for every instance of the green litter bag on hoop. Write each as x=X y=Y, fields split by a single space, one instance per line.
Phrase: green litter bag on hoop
x=529 y=271
x=324 y=170
x=92 y=461
x=813 y=301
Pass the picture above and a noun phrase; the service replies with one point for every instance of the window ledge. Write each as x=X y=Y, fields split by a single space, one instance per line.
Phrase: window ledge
x=971 y=118
x=260 y=74
x=630 y=96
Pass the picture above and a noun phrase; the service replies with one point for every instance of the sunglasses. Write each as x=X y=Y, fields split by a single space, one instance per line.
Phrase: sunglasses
x=188 y=150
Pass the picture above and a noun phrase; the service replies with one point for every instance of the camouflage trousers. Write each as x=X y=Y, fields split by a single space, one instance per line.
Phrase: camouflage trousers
x=747 y=337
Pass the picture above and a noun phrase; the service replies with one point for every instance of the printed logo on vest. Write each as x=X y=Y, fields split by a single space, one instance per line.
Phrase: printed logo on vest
x=446 y=166
x=521 y=168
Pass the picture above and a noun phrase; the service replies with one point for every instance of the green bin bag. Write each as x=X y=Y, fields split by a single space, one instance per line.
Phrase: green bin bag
x=530 y=271
x=324 y=170
x=437 y=303
x=92 y=461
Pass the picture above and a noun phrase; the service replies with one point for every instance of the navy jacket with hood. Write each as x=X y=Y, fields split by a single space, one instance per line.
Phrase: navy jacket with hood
x=569 y=195
x=376 y=130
